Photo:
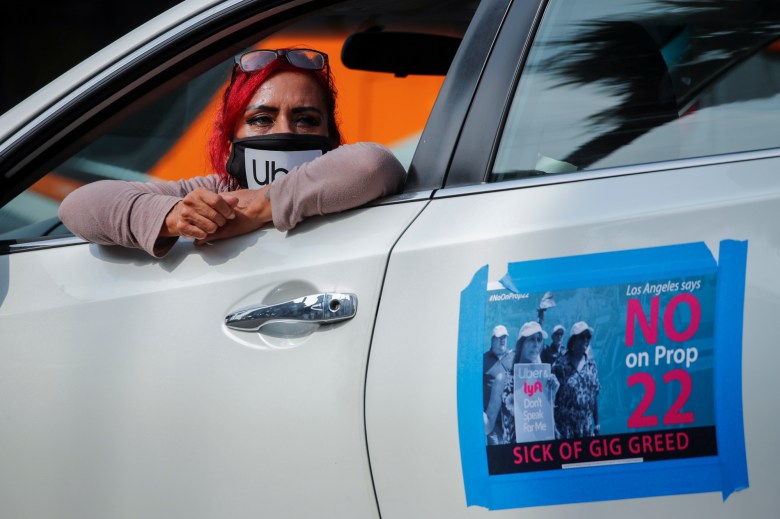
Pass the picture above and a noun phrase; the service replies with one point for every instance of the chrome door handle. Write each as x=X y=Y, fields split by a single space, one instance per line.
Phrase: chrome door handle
x=317 y=308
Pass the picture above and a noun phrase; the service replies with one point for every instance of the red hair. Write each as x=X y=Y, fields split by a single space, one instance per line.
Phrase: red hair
x=239 y=92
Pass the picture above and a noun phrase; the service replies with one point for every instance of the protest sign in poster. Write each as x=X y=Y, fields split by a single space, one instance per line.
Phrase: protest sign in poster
x=595 y=366
x=533 y=403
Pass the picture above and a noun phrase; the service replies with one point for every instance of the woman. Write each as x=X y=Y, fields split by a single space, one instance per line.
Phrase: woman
x=496 y=371
x=576 y=405
x=551 y=353
x=278 y=100
x=530 y=340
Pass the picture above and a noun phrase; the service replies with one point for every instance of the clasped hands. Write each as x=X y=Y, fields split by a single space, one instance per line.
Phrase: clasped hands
x=208 y=216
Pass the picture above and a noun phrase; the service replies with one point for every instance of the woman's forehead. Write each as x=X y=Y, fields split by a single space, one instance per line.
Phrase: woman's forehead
x=289 y=88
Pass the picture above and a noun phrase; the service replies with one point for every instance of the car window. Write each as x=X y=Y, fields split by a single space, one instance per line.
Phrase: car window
x=166 y=137
x=614 y=82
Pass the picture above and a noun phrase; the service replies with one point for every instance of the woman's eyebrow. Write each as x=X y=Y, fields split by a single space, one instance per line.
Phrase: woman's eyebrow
x=262 y=107
x=299 y=109
x=296 y=110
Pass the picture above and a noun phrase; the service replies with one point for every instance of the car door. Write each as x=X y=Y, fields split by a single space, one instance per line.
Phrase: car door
x=580 y=166
x=127 y=396
x=125 y=393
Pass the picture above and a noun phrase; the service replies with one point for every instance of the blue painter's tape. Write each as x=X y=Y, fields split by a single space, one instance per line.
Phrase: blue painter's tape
x=609 y=268
x=728 y=366
x=472 y=318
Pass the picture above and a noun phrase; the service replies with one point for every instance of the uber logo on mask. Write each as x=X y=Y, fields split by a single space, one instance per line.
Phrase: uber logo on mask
x=265 y=166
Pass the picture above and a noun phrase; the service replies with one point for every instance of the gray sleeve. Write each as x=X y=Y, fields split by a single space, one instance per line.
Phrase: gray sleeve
x=131 y=214
x=347 y=177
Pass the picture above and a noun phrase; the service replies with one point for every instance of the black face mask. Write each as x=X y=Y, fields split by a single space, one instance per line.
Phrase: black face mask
x=257 y=161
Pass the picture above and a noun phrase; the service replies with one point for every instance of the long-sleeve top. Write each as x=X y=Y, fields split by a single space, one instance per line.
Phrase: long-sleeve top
x=131 y=214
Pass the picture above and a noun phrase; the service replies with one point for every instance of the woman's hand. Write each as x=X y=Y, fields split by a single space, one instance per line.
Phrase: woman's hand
x=199 y=214
x=553 y=381
x=554 y=384
x=252 y=210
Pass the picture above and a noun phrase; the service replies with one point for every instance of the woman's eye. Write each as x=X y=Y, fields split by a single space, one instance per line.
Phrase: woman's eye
x=260 y=120
x=308 y=121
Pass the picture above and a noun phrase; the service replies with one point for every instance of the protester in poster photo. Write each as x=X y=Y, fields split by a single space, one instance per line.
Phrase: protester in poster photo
x=530 y=342
x=551 y=353
x=497 y=370
x=576 y=404
x=500 y=404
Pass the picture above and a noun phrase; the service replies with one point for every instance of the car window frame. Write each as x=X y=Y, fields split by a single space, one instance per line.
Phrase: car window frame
x=485 y=119
x=431 y=164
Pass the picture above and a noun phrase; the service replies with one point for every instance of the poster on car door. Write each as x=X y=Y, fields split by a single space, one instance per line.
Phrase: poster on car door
x=603 y=376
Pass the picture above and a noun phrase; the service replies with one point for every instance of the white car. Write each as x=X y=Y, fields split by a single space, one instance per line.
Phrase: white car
x=623 y=157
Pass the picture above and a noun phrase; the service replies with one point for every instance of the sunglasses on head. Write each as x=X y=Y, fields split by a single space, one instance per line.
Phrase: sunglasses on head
x=307 y=59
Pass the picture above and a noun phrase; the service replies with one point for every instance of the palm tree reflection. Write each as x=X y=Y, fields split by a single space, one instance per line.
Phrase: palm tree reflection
x=655 y=65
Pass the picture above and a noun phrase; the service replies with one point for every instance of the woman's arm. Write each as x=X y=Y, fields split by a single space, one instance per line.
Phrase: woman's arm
x=347 y=177
x=131 y=214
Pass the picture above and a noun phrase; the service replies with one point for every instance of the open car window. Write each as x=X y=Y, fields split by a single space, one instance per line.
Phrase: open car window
x=165 y=138
x=614 y=83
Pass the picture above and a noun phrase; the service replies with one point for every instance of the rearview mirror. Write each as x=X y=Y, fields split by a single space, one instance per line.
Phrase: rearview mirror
x=400 y=53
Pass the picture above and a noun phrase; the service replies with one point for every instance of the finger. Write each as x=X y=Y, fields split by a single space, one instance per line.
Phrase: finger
x=224 y=205
x=191 y=224
x=234 y=228
x=219 y=234
x=196 y=224
x=197 y=212
x=211 y=205
x=231 y=200
x=192 y=231
x=217 y=202
x=210 y=237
